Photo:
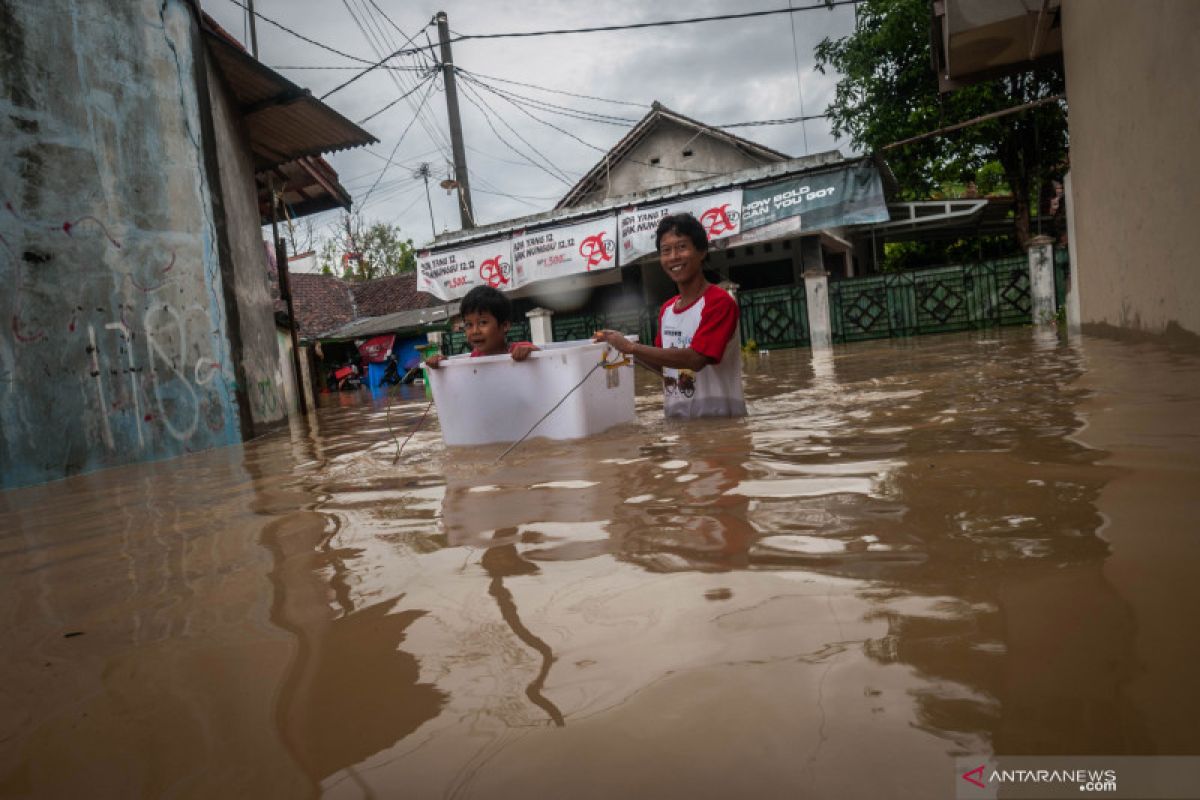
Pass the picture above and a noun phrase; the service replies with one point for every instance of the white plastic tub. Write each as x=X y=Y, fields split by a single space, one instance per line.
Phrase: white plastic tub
x=495 y=399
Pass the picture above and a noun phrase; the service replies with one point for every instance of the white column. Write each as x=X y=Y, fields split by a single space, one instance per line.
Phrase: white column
x=541 y=329
x=1041 y=280
x=816 y=293
x=1073 y=317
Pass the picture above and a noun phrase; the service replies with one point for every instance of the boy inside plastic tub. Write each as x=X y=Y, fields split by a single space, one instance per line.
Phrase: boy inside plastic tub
x=487 y=315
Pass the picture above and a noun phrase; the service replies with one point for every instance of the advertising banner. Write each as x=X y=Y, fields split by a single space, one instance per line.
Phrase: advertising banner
x=569 y=250
x=450 y=274
x=720 y=214
x=849 y=196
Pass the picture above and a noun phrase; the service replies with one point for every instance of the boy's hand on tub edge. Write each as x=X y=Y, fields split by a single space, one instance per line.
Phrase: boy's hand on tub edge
x=520 y=352
x=433 y=361
x=614 y=340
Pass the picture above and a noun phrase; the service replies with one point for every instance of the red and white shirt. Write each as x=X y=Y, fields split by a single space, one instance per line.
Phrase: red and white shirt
x=710 y=327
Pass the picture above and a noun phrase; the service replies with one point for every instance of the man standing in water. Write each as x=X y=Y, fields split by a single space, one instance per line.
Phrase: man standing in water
x=696 y=348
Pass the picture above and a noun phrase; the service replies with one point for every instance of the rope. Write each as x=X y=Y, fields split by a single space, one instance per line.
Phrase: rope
x=620 y=362
x=388 y=418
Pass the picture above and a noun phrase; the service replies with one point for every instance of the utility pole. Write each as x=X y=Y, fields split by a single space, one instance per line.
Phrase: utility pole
x=424 y=171
x=466 y=211
x=253 y=31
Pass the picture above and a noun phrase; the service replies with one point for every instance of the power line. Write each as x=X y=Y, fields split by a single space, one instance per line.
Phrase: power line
x=826 y=4
x=548 y=89
x=377 y=64
x=419 y=84
x=589 y=144
x=471 y=95
x=347 y=66
x=554 y=108
x=799 y=86
x=762 y=122
x=398 y=141
x=380 y=41
x=300 y=36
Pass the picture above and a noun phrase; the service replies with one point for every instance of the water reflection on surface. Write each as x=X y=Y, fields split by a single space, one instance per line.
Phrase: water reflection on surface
x=909 y=551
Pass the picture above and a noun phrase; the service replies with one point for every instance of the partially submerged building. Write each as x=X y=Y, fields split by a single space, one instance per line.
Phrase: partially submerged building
x=138 y=322
x=1133 y=115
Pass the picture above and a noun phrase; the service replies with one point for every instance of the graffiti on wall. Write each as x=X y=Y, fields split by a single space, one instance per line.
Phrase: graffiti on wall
x=151 y=366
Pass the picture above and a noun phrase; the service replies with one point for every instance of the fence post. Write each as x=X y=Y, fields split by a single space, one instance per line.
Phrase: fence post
x=1041 y=280
x=541 y=328
x=816 y=296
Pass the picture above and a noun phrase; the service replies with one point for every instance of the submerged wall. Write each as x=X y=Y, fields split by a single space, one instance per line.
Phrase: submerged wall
x=115 y=339
x=245 y=270
x=1134 y=119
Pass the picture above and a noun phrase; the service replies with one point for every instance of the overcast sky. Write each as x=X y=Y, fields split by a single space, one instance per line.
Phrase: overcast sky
x=715 y=72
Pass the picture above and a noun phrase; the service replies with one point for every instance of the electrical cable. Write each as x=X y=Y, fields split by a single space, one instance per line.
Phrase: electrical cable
x=471 y=95
x=300 y=36
x=593 y=146
x=392 y=155
x=474 y=74
x=381 y=41
x=370 y=117
x=826 y=5
x=567 y=111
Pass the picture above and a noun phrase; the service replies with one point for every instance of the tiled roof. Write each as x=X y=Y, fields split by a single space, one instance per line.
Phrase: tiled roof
x=324 y=303
x=389 y=295
x=321 y=303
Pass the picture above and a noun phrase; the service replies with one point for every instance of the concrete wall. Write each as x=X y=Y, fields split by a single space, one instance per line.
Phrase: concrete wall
x=667 y=142
x=114 y=346
x=1134 y=124
x=255 y=342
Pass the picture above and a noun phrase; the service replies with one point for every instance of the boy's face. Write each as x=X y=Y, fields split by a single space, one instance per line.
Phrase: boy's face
x=484 y=333
x=679 y=257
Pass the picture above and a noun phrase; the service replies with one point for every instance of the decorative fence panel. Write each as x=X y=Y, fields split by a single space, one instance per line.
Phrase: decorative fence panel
x=568 y=327
x=936 y=300
x=455 y=343
x=775 y=317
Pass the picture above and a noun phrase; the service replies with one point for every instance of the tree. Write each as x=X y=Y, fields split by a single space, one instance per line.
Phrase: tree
x=889 y=92
x=357 y=251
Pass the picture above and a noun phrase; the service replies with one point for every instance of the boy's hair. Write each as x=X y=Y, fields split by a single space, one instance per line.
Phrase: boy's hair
x=682 y=225
x=485 y=298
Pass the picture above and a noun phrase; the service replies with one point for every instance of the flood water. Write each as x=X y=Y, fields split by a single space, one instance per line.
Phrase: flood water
x=911 y=550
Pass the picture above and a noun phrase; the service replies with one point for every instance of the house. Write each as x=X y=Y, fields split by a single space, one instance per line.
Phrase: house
x=1131 y=90
x=130 y=240
x=333 y=316
x=665 y=148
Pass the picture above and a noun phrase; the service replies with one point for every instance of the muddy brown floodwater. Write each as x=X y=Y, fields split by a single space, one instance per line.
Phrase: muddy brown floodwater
x=911 y=550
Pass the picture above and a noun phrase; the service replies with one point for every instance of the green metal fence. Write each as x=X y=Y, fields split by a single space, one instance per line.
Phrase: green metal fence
x=568 y=327
x=936 y=300
x=774 y=317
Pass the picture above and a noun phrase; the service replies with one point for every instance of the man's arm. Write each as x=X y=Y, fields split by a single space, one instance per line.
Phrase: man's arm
x=655 y=357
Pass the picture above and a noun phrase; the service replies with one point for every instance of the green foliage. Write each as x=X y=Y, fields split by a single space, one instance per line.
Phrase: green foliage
x=889 y=92
x=898 y=256
x=361 y=252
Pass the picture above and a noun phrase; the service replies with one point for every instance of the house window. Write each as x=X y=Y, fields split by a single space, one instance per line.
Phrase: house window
x=687 y=153
x=655 y=160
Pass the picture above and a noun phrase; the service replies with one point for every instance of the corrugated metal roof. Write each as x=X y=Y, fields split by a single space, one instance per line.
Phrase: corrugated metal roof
x=413 y=318
x=306 y=186
x=285 y=122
